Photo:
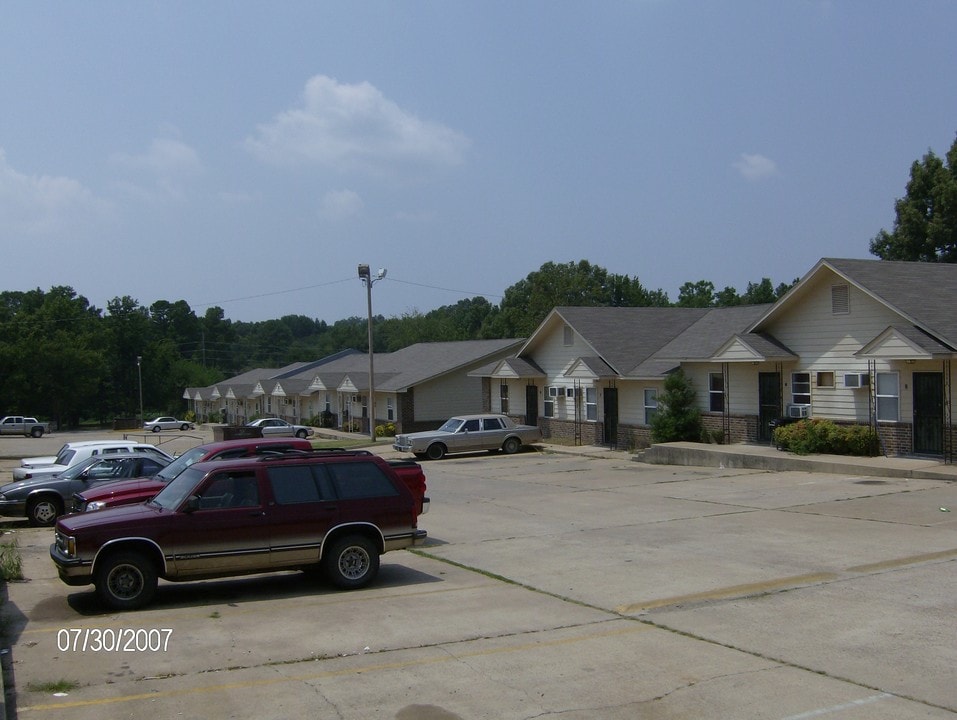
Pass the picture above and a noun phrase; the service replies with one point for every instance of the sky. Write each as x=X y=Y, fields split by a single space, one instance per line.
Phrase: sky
x=251 y=155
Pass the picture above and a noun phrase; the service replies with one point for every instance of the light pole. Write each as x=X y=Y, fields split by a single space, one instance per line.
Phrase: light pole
x=367 y=278
x=139 y=372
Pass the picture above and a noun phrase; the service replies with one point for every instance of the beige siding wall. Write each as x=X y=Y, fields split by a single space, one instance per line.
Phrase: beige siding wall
x=452 y=395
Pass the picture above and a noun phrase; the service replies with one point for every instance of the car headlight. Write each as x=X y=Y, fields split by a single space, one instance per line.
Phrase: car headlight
x=95 y=505
x=66 y=544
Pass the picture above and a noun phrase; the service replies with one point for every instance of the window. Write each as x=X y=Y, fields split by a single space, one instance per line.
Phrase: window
x=591 y=403
x=801 y=388
x=503 y=397
x=651 y=404
x=568 y=337
x=549 y=406
x=293 y=484
x=716 y=392
x=356 y=480
x=471 y=425
x=328 y=403
x=825 y=379
x=492 y=424
x=390 y=408
x=888 y=396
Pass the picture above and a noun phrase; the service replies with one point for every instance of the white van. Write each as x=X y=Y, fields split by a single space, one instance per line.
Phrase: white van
x=72 y=453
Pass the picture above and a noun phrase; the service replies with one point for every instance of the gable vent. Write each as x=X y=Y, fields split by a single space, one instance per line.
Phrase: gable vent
x=840 y=300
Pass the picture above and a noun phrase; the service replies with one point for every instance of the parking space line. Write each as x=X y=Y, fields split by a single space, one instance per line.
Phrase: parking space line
x=839 y=708
x=727 y=592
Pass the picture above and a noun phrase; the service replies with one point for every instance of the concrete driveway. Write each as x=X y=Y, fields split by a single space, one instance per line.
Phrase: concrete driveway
x=552 y=586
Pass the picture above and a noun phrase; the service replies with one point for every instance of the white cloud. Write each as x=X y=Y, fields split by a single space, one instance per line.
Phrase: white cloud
x=756 y=167
x=340 y=204
x=162 y=171
x=354 y=127
x=43 y=205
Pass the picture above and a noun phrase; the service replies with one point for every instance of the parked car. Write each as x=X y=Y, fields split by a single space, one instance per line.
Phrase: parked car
x=278 y=426
x=128 y=492
x=335 y=511
x=71 y=454
x=466 y=433
x=167 y=423
x=44 y=498
x=26 y=426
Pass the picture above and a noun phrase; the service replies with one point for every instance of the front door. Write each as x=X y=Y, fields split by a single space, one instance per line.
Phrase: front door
x=769 y=402
x=531 y=404
x=611 y=417
x=928 y=413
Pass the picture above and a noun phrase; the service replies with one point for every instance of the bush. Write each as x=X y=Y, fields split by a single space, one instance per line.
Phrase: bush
x=824 y=436
x=386 y=430
x=11 y=564
x=677 y=417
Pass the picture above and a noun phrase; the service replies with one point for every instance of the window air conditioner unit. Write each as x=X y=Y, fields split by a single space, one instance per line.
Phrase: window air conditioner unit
x=553 y=391
x=798 y=411
x=857 y=380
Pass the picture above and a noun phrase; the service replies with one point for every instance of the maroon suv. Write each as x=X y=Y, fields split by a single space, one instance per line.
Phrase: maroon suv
x=337 y=511
x=137 y=491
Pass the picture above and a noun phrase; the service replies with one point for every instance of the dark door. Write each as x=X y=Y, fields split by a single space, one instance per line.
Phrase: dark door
x=531 y=404
x=769 y=402
x=611 y=417
x=928 y=413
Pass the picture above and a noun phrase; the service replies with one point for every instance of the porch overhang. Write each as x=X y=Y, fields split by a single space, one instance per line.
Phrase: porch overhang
x=905 y=342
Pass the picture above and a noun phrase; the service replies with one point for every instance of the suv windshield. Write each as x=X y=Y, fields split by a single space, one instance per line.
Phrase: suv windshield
x=179 y=464
x=177 y=489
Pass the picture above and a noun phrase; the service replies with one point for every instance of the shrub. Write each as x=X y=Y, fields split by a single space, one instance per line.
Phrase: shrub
x=386 y=430
x=11 y=564
x=677 y=417
x=824 y=436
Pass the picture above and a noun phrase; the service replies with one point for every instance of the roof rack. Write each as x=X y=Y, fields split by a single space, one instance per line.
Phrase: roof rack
x=322 y=452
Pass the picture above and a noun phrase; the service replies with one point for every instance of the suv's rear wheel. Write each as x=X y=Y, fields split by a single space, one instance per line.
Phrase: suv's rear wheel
x=36 y=432
x=125 y=580
x=43 y=511
x=352 y=562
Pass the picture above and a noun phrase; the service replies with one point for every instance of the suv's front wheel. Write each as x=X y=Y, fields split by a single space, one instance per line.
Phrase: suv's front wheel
x=352 y=562
x=125 y=581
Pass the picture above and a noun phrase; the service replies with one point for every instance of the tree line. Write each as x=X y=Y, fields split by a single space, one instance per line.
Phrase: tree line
x=63 y=359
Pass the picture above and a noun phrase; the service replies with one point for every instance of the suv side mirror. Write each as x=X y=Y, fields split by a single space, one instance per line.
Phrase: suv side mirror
x=192 y=503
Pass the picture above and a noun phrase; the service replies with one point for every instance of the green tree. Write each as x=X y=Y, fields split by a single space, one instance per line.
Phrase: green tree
x=677 y=418
x=925 y=227
x=581 y=284
x=696 y=295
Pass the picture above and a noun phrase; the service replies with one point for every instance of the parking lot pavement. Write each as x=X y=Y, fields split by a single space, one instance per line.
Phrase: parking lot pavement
x=552 y=586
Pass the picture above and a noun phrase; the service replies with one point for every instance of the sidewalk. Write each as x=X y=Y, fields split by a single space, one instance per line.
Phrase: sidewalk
x=744 y=455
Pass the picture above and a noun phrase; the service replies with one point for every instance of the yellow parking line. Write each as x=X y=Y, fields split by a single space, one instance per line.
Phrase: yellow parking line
x=311 y=677
x=726 y=592
x=900 y=562
x=793 y=581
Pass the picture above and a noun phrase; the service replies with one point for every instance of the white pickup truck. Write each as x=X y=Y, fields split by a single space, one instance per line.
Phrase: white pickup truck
x=19 y=425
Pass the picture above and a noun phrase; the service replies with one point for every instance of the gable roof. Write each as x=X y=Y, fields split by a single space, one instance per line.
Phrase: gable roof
x=394 y=372
x=921 y=292
x=624 y=337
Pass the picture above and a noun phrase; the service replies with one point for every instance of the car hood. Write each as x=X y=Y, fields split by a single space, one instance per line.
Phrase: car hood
x=21 y=486
x=426 y=434
x=123 y=487
x=108 y=517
